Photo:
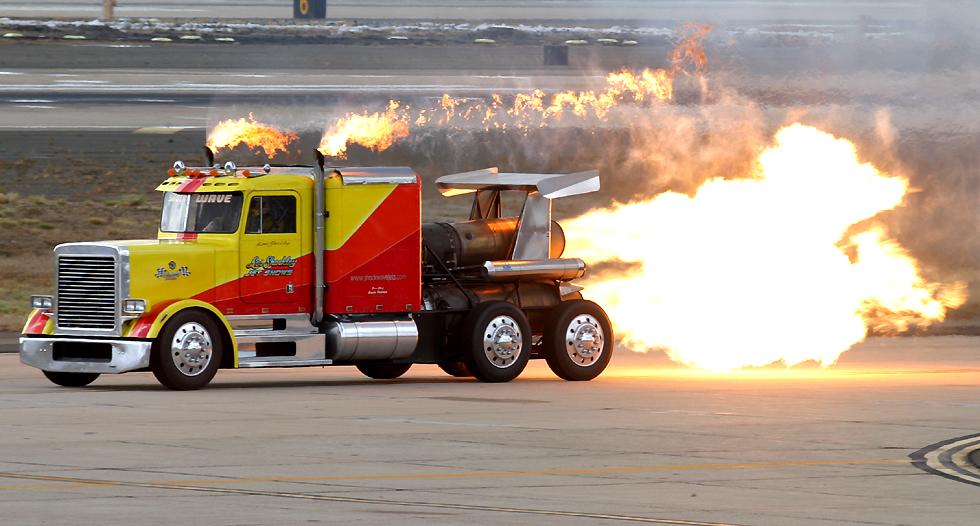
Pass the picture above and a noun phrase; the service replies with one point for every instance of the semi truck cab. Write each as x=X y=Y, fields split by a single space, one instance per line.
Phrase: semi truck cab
x=294 y=266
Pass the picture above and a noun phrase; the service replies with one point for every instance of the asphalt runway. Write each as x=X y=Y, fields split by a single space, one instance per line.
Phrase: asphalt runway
x=648 y=442
x=621 y=10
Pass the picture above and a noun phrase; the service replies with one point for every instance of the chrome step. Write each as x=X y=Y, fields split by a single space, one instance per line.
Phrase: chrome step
x=267 y=362
x=253 y=330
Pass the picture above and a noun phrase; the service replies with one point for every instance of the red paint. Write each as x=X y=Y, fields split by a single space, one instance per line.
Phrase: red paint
x=228 y=295
x=141 y=327
x=36 y=324
x=400 y=289
x=381 y=263
x=190 y=185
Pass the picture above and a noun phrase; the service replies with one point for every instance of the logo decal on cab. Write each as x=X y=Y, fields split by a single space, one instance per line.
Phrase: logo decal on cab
x=270 y=266
x=171 y=272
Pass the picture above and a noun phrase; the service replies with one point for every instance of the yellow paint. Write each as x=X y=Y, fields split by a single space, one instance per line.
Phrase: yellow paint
x=349 y=207
x=152 y=279
x=299 y=182
x=276 y=245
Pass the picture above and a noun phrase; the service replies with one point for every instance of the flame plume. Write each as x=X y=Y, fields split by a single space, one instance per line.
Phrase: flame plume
x=377 y=131
x=526 y=111
x=230 y=133
x=689 y=50
x=748 y=272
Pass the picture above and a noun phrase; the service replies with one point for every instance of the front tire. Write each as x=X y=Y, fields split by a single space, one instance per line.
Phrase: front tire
x=383 y=371
x=496 y=341
x=70 y=379
x=187 y=353
x=578 y=340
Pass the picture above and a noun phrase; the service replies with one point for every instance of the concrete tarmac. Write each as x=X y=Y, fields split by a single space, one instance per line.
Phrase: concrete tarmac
x=647 y=442
x=494 y=10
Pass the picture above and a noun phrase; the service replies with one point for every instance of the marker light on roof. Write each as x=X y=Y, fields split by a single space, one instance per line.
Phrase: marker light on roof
x=267 y=168
x=230 y=167
x=179 y=167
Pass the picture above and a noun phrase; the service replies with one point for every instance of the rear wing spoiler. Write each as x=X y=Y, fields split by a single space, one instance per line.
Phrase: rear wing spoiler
x=549 y=186
x=533 y=240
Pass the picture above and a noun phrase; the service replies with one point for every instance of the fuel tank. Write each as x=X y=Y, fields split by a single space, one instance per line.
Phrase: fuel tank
x=370 y=338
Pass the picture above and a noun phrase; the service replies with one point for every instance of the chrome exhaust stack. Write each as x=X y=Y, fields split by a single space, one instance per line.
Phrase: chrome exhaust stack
x=564 y=269
x=318 y=242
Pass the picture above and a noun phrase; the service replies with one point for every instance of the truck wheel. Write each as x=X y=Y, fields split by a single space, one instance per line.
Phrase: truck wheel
x=71 y=379
x=455 y=368
x=578 y=340
x=496 y=340
x=383 y=371
x=187 y=353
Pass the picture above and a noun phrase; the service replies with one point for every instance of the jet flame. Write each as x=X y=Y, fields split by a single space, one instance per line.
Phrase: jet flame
x=230 y=133
x=525 y=111
x=377 y=131
x=788 y=265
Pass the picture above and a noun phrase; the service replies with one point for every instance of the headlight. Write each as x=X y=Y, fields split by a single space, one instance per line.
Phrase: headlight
x=134 y=306
x=42 y=302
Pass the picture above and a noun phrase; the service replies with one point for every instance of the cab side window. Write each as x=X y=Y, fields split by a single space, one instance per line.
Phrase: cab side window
x=271 y=214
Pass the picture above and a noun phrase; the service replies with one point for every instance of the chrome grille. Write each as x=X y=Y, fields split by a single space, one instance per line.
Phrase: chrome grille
x=86 y=292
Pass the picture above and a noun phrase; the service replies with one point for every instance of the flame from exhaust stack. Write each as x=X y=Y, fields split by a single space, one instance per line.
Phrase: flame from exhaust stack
x=533 y=109
x=787 y=265
x=230 y=133
x=377 y=131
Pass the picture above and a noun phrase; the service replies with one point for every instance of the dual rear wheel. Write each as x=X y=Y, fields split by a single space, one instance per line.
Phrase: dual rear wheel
x=578 y=340
x=495 y=341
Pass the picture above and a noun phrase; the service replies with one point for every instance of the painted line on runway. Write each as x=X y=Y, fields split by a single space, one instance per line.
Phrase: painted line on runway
x=389 y=502
x=70 y=86
x=68 y=127
x=950 y=459
x=160 y=130
x=72 y=482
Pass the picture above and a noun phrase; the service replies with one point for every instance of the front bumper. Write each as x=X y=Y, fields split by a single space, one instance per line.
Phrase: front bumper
x=126 y=355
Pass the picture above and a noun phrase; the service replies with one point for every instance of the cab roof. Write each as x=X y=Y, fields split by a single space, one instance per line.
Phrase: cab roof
x=279 y=177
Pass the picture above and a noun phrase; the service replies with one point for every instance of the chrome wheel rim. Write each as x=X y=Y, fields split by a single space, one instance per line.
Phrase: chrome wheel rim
x=191 y=349
x=502 y=341
x=584 y=340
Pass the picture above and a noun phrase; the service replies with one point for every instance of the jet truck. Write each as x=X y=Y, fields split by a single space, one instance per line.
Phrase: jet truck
x=294 y=266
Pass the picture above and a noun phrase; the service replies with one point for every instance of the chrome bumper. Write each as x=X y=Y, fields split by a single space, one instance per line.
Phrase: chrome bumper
x=127 y=355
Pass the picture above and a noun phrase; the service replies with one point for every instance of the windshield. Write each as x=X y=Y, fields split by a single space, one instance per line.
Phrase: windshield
x=197 y=213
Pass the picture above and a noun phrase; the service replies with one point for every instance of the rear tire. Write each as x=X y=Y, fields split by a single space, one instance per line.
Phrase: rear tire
x=496 y=341
x=578 y=340
x=383 y=371
x=70 y=379
x=187 y=353
x=455 y=368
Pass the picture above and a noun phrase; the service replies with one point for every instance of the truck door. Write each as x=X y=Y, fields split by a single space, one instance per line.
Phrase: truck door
x=270 y=250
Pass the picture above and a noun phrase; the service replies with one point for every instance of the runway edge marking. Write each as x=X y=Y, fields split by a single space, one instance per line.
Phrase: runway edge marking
x=363 y=500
